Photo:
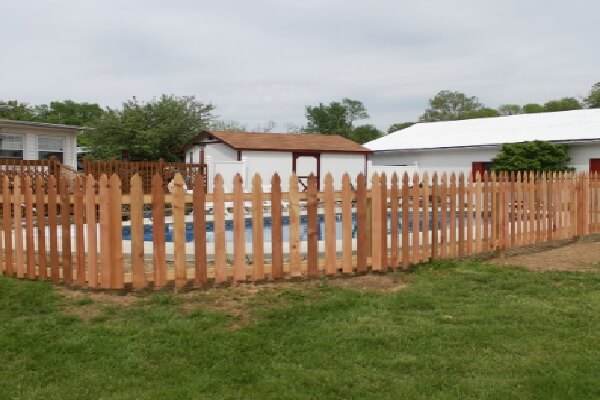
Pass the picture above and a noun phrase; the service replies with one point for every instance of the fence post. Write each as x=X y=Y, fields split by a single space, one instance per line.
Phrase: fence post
x=276 y=229
x=361 y=223
x=312 y=222
x=346 y=225
x=330 y=242
x=219 y=230
x=199 y=199
x=376 y=230
x=117 y=275
x=179 y=233
x=258 y=246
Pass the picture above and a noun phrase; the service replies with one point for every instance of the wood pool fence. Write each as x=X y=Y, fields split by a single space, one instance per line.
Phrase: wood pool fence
x=146 y=169
x=48 y=233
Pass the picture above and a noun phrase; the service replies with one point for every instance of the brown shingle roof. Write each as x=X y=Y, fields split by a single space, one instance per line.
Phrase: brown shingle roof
x=289 y=142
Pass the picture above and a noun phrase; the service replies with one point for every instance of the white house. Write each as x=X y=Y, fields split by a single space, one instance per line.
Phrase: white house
x=229 y=153
x=38 y=141
x=470 y=145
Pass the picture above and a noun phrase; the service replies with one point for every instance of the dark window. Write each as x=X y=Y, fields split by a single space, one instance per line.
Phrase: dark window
x=50 y=146
x=11 y=146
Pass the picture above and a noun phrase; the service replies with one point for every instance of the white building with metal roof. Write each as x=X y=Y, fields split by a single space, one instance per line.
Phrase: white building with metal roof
x=470 y=145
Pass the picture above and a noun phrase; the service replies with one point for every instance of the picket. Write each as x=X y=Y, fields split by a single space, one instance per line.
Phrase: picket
x=8 y=231
x=294 y=226
x=383 y=245
x=53 y=230
x=531 y=208
x=361 y=222
x=453 y=193
x=239 y=227
x=394 y=206
x=158 y=232
x=258 y=257
x=79 y=233
x=405 y=222
x=469 y=215
x=29 y=244
x=312 y=269
x=443 y=216
x=105 y=233
x=434 y=216
x=461 y=215
x=276 y=229
x=116 y=234
x=485 y=210
x=65 y=219
x=136 y=211
x=346 y=225
x=18 y=227
x=425 y=216
x=219 y=230
x=90 y=219
x=416 y=248
x=199 y=204
x=179 y=257
x=478 y=245
x=40 y=207
x=376 y=222
x=330 y=241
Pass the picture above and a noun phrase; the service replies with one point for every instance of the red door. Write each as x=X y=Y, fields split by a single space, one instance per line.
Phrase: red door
x=479 y=166
x=594 y=165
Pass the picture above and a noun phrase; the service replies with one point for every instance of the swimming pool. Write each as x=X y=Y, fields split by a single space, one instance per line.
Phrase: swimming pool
x=285 y=221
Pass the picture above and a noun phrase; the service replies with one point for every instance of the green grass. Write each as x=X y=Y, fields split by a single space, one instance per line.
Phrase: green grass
x=458 y=331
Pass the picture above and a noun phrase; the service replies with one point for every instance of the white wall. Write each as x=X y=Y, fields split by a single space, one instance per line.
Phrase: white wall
x=266 y=164
x=339 y=164
x=442 y=160
x=581 y=154
x=222 y=159
x=459 y=160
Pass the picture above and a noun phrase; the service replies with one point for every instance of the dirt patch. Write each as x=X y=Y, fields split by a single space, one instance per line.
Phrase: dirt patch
x=91 y=305
x=376 y=283
x=578 y=256
x=238 y=301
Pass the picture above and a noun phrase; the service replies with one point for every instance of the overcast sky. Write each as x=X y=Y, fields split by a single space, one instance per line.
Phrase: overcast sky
x=264 y=60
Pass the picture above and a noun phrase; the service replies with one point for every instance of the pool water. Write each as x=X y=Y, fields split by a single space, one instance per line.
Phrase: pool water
x=189 y=229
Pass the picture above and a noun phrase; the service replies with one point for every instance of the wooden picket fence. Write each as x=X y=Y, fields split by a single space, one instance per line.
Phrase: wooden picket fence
x=145 y=169
x=381 y=225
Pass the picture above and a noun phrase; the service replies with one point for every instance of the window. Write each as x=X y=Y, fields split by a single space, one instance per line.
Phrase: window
x=11 y=146
x=50 y=146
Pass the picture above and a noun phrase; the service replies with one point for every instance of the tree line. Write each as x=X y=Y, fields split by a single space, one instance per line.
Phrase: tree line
x=160 y=128
x=450 y=105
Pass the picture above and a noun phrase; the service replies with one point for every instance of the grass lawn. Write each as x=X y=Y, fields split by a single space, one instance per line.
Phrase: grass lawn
x=455 y=331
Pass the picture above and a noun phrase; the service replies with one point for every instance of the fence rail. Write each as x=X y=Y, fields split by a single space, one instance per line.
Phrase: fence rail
x=99 y=237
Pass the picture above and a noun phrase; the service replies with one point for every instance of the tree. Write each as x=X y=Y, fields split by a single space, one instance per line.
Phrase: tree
x=14 y=110
x=365 y=133
x=149 y=130
x=532 y=156
x=593 y=99
x=482 y=113
x=228 y=126
x=448 y=105
x=335 y=117
x=510 y=109
x=533 y=108
x=564 y=104
x=68 y=112
x=398 y=126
